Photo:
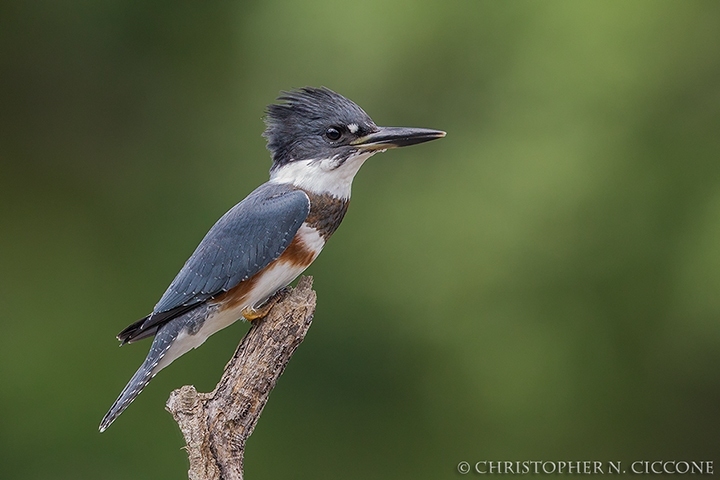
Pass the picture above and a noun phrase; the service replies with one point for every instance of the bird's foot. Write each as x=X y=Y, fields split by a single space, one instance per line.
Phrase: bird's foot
x=253 y=313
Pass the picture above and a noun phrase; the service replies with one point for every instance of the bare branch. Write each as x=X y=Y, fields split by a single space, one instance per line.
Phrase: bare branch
x=216 y=425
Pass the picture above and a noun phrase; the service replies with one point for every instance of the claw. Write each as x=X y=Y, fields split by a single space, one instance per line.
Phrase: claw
x=253 y=313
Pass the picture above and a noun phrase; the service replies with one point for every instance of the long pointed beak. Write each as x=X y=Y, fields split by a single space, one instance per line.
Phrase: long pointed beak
x=392 y=137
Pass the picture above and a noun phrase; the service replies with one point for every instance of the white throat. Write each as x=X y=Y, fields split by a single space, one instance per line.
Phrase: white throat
x=322 y=176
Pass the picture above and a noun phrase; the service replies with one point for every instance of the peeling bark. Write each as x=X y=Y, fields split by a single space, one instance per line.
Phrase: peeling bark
x=216 y=425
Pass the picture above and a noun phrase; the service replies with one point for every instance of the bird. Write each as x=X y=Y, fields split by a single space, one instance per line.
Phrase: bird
x=318 y=140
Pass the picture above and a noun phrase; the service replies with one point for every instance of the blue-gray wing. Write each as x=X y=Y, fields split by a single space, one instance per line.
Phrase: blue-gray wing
x=244 y=241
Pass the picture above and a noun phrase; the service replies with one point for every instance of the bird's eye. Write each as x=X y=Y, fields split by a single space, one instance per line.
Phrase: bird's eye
x=333 y=134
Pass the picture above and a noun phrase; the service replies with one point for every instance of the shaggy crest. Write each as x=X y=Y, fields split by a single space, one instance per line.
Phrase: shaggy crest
x=296 y=125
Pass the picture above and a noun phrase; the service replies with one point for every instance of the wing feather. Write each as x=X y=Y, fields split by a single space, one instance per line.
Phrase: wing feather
x=244 y=241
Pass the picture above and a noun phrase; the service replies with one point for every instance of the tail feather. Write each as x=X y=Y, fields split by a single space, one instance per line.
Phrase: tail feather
x=164 y=338
x=139 y=381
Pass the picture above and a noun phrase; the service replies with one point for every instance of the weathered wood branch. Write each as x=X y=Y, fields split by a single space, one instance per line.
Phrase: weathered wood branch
x=216 y=425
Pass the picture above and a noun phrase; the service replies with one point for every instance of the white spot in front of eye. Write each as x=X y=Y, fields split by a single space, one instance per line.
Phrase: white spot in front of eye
x=353 y=127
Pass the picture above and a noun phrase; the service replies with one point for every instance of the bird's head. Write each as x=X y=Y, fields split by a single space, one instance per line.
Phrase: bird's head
x=319 y=139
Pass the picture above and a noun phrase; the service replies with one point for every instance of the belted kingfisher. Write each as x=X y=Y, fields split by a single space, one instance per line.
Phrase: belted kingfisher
x=318 y=141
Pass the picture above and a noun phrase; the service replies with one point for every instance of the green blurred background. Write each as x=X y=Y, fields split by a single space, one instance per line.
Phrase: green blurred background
x=542 y=284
